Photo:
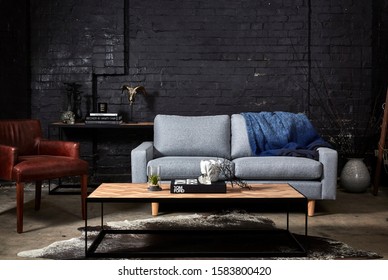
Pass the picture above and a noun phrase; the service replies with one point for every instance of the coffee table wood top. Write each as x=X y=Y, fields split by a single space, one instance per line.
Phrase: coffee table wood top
x=138 y=191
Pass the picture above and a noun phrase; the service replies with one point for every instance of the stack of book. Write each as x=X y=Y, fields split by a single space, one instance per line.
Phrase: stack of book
x=103 y=118
x=194 y=186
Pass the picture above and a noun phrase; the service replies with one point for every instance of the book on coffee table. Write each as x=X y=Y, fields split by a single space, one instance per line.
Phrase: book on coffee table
x=193 y=186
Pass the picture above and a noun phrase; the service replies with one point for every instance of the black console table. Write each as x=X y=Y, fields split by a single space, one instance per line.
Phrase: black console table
x=61 y=126
x=93 y=134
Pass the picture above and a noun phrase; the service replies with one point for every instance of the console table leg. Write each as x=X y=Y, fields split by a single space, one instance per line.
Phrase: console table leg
x=155 y=208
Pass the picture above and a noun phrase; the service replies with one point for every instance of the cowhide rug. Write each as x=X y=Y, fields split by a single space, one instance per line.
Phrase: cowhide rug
x=74 y=248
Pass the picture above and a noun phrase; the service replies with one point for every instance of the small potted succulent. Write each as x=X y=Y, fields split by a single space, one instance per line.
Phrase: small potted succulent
x=154 y=179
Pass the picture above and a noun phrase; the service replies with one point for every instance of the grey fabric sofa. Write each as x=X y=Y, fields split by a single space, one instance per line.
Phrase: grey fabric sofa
x=181 y=142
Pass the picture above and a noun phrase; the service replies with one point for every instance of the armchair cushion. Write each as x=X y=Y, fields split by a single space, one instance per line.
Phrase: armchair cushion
x=44 y=167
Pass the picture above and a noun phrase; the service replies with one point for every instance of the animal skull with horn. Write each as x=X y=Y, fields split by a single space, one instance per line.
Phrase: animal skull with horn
x=132 y=91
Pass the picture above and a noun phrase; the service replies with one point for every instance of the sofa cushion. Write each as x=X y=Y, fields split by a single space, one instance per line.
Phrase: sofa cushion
x=192 y=136
x=180 y=167
x=277 y=168
x=240 y=146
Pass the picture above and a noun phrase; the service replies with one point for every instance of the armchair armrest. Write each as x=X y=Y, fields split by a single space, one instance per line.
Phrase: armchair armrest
x=329 y=159
x=8 y=156
x=59 y=148
x=140 y=156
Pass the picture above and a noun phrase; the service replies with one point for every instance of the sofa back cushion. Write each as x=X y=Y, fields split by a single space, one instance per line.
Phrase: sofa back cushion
x=192 y=135
x=240 y=146
x=22 y=134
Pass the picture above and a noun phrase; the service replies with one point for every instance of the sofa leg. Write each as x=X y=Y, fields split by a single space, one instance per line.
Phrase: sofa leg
x=311 y=208
x=155 y=208
x=19 y=206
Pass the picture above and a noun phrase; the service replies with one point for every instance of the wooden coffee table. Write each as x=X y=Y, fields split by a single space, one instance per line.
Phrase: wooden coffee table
x=277 y=197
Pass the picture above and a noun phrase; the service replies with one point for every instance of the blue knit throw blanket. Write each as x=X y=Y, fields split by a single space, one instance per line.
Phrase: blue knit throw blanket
x=282 y=134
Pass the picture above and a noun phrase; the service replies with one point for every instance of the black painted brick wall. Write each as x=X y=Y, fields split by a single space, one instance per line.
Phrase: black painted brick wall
x=199 y=57
x=215 y=57
x=341 y=57
x=71 y=40
x=15 y=100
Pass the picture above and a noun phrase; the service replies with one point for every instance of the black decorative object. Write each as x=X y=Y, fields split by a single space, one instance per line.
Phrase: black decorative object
x=226 y=168
x=102 y=107
x=74 y=99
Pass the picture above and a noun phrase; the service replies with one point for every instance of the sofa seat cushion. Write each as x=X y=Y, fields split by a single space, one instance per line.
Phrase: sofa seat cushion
x=180 y=167
x=192 y=136
x=277 y=168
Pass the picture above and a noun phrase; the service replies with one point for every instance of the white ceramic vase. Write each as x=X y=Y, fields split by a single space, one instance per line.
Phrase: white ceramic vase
x=355 y=176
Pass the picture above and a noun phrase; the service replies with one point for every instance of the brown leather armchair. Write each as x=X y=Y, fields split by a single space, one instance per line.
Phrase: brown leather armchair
x=26 y=157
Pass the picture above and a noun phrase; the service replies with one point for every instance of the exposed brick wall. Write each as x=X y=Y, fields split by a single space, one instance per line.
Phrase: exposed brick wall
x=15 y=101
x=200 y=57
x=71 y=40
x=77 y=41
x=341 y=49
x=215 y=57
x=341 y=66
x=380 y=46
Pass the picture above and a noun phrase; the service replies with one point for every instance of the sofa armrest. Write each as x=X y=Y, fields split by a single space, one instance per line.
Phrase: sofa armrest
x=329 y=159
x=59 y=148
x=8 y=156
x=140 y=156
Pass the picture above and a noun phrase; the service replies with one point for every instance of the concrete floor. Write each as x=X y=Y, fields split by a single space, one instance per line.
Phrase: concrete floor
x=360 y=220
